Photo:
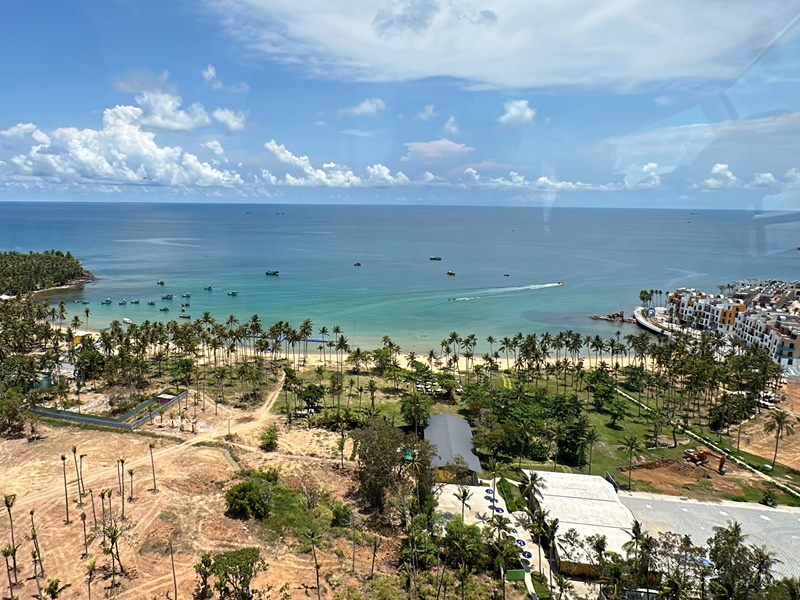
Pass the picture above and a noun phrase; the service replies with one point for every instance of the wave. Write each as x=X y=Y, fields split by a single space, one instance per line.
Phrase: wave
x=164 y=242
x=507 y=290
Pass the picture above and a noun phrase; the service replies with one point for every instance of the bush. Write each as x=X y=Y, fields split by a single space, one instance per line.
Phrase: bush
x=770 y=498
x=252 y=498
x=269 y=439
x=342 y=514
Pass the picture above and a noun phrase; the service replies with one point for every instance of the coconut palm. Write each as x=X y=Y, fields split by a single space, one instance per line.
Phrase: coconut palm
x=7 y=553
x=462 y=495
x=9 y=500
x=153 y=465
x=781 y=423
x=531 y=487
x=66 y=495
x=590 y=438
x=632 y=447
x=90 y=570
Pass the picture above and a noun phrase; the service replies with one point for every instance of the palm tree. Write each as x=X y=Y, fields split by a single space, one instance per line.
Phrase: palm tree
x=531 y=486
x=54 y=588
x=85 y=539
x=153 y=465
x=9 y=500
x=66 y=495
x=462 y=495
x=631 y=446
x=7 y=552
x=781 y=423
x=90 y=569
x=130 y=473
x=590 y=438
x=87 y=311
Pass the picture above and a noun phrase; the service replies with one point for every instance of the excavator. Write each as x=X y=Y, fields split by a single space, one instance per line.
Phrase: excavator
x=701 y=457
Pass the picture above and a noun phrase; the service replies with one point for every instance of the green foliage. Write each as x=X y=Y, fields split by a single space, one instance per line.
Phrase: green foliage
x=379 y=460
x=511 y=494
x=235 y=570
x=342 y=515
x=23 y=273
x=269 y=439
x=463 y=545
x=251 y=498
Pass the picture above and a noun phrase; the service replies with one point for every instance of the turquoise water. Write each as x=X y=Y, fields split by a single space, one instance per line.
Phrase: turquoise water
x=604 y=257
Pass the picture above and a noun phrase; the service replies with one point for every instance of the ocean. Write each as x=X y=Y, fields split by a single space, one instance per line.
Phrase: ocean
x=507 y=263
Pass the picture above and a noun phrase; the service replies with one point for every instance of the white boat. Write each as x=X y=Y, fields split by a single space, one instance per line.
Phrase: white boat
x=127 y=321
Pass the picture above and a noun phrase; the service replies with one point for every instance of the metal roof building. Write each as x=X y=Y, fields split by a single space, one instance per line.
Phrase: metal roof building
x=452 y=437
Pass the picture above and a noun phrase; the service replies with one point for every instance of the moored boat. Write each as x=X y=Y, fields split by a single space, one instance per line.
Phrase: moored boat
x=451 y=272
x=164 y=309
x=273 y=273
x=208 y=288
x=123 y=302
x=358 y=264
x=106 y=301
x=134 y=302
x=186 y=295
x=151 y=303
x=167 y=297
x=160 y=282
x=233 y=293
x=435 y=258
x=127 y=321
x=185 y=316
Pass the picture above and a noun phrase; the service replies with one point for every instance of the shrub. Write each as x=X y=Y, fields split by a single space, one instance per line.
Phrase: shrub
x=269 y=439
x=342 y=513
x=770 y=498
x=252 y=498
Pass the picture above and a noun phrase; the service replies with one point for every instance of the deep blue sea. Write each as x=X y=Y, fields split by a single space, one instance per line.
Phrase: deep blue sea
x=603 y=256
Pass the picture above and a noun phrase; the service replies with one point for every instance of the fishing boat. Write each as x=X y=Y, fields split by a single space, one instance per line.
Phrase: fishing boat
x=451 y=272
x=151 y=303
x=273 y=273
x=208 y=288
x=123 y=302
x=160 y=282
x=164 y=309
x=233 y=293
x=186 y=295
x=134 y=302
x=358 y=264
x=435 y=258
x=127 y=321
x=185 y=316
x=106 y=301
x=167 y=297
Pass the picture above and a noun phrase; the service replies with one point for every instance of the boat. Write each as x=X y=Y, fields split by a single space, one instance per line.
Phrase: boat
x=185 y=305
x=186 y=295
x=451 y=272
x=183 y=308
x=123 y=302
x=273 y=273
x=208 y=288
x=435 y=258
x=506 y=275
x=134 y=302
x=85 y=302
x=358 y=264
x=560 y=283
x=127 y=321
x=106 y=301
x=185 y=316
x=151 y=303
x=160 y=282
x=233 y=293
x=167 y=297
x=164 y=309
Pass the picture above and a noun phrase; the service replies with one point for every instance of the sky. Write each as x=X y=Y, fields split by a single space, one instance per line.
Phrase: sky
x=516 y=102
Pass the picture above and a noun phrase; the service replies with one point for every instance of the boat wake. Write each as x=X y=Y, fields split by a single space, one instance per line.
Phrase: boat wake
x=507 y=290
x=165 y=242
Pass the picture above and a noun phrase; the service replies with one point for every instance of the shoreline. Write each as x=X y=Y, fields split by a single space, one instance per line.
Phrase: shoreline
x=72 y=285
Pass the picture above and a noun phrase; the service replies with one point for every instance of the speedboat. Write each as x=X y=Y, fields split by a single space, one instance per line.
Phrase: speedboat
x=185 y=316
x=435 y=257
x=106 y=301
x=127 y=321
x=186 y=295
x=151 y=303
x=233 y=293
x=134 y=302
x=273 y=273
x=560 y=283
x=123 y=301
x=208 y=288
x=451 y=272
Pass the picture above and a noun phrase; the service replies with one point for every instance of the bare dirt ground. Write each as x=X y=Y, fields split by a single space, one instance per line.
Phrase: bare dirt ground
x=756 y=441
x=188 y=506
x=673 y=476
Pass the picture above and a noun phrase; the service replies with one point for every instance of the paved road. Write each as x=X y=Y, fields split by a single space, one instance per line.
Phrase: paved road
x=776 y=528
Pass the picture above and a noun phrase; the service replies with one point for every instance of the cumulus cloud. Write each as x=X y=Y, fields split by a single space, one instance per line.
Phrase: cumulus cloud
x=18 y=130
x=162 y=111
x=401 y=40
x=232 y=122
x=516 y=181
x=367 y=108
x=435 y=150
x=427 y=113
x=451 y=127
x=122 y=152
x=517 y=112
x=215 y=147
x=764 y=180
x=210 y=78
x=331 y=175
x=381 y=174
x=721 y=177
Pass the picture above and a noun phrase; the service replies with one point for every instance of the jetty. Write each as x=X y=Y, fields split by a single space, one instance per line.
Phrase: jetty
x=617 y=317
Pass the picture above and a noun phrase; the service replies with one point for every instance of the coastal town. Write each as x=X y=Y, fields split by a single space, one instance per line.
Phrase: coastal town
x=230 y=460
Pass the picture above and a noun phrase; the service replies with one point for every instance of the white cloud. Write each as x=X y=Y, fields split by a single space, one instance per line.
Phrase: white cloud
x=331 y=175
x=357 y=133
x=764 y=180
x=451 y=127
x=367 y=108
x=209 y=75
x=381 y=174
x=215 y=147
x=122 y=152
x=721 y=177
x=18 y=130
x=517 y=181
x=428 y=178
x=435 y=150
x=472 y=175
x=516 y=44
x=162 y=111
x=427 y=113
x=233 y=122
x=793 y=176
x=517 y=112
